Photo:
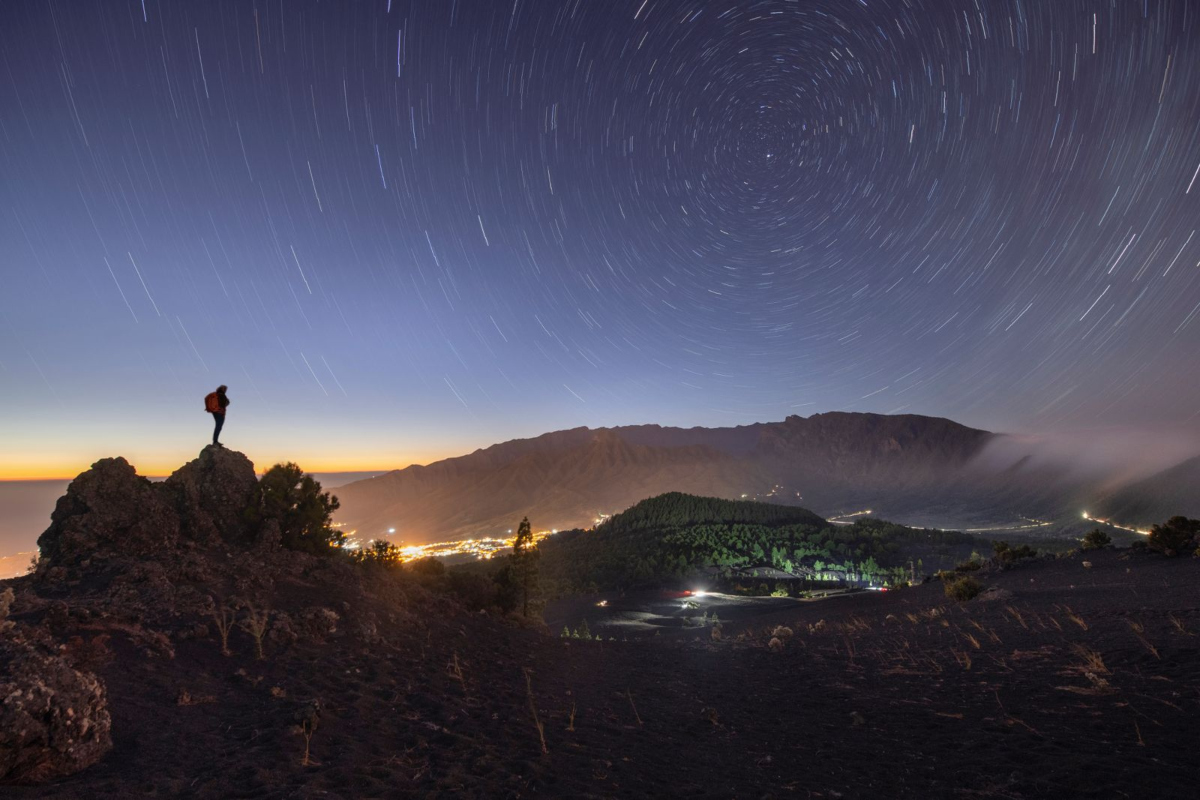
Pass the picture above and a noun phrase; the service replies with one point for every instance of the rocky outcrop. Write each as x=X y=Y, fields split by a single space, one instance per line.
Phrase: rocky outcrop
x=54 y=719
x=148 y=566
x=108 y=511
x=211 y=493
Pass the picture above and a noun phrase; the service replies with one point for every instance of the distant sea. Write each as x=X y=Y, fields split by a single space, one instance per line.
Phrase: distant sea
x=25 y=508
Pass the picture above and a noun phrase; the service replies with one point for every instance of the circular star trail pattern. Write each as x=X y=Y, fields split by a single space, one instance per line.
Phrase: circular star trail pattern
x=447 y=221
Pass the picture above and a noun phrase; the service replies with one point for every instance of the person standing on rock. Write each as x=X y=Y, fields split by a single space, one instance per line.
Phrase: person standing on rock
x=215 y=403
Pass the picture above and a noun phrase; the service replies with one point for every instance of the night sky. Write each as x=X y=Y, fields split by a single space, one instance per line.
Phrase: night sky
x=402 y=230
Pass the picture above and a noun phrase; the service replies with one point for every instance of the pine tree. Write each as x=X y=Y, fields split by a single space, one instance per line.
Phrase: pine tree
x=524 y=560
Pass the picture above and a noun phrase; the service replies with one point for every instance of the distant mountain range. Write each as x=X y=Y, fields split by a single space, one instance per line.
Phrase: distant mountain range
x=913 y=469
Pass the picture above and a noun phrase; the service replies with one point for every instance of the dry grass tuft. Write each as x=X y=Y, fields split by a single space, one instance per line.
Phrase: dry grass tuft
x=1078 y=620
x=1092 y=661
x=255 y=624
x=224 y=616
x=307 y=722
x=631 y=705
x=537 y=723
x=1016 y=615
x=454 y=670
x=1139 y=631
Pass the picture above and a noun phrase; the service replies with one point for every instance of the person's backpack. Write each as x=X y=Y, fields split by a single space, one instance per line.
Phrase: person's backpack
x=211 y=404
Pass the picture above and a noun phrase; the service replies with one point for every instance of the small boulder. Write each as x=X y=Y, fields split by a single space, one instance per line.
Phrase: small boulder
x=993 y=594
x=54 y=720
x=316 y=623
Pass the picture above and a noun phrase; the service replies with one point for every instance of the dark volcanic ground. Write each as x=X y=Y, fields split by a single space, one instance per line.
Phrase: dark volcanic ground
x=1085 y=683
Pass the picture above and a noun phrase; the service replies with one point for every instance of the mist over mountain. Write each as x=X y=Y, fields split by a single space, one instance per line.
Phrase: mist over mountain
x=1174 y=491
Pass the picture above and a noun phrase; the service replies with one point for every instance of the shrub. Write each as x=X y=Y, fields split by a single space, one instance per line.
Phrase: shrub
x=255 y=624
x=1007 y=554
x=782 y=632
x=428 y=567
x=224 y=616
x=1174 y=537
x=476 y=592
x=968 y=566
x=962 y=589
x=1096 y=539
x=6 y=600
x=304 y=513
x=508 y=589
x=381 y=552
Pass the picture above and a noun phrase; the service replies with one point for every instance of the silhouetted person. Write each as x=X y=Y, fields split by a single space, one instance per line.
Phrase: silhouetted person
x=215 y=403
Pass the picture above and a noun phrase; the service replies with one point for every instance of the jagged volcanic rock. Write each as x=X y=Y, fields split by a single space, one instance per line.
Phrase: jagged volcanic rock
x=108 y=511
x=54 y=720
x=210 y=493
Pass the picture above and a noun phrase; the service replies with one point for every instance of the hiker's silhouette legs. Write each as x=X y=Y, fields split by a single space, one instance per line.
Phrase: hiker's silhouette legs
x=219 y=419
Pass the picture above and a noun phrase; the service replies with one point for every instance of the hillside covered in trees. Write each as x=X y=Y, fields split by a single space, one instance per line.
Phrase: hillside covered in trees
x=673 y=537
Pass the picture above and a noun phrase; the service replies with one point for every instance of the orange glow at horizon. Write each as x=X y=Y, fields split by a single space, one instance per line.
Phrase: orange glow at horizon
x=35 y=468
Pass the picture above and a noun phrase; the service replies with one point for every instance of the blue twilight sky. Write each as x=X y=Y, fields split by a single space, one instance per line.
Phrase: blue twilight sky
x=402 y=230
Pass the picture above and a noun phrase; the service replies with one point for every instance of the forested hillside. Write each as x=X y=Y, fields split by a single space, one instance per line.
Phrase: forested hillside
x=676 y=510
x=671 y=538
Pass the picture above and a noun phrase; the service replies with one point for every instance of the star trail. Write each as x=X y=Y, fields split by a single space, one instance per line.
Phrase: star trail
x=402 y=230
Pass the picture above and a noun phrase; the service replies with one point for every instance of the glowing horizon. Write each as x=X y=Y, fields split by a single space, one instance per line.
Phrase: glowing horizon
x=160 y=466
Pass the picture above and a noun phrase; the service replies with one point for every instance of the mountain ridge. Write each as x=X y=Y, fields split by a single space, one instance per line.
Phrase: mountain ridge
x=922 y=470
x=567 y=478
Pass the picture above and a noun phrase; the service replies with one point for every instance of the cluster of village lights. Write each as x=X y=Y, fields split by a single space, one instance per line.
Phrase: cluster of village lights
x=481 y=548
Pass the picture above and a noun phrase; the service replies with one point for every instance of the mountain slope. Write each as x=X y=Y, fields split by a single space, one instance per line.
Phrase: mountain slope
x=924 y=471
x=1174 y=491
x=565 y=479
x=564 y=484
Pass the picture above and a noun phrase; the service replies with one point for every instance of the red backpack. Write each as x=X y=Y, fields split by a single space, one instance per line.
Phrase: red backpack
x=211 y=404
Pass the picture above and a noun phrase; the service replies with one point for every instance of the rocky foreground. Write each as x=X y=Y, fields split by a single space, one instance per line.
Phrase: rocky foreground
x=166 y=646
